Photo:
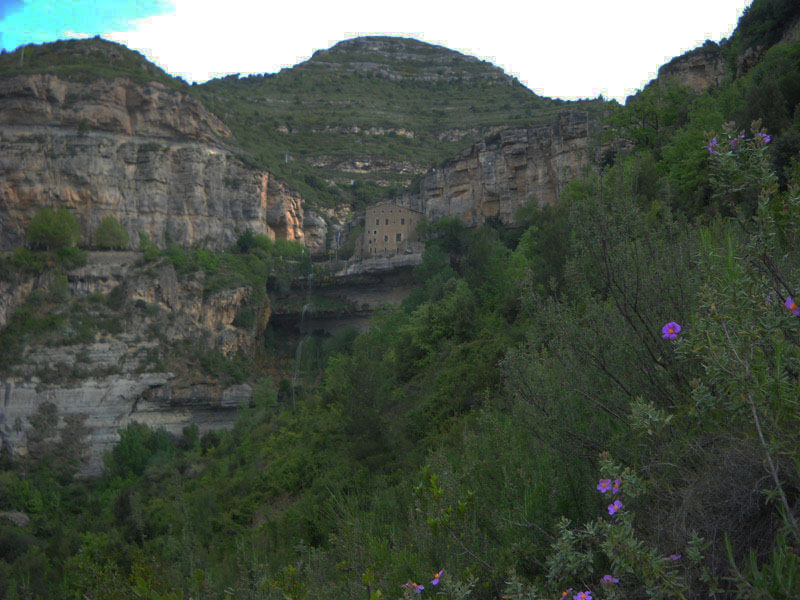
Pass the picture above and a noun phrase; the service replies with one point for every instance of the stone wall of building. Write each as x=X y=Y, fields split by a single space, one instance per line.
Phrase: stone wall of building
x=389 y=229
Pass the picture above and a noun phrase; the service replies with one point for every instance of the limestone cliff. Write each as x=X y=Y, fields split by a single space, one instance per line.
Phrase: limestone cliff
x=698 y=69
x=145 y=153
x=142 y=365
x=495 y=177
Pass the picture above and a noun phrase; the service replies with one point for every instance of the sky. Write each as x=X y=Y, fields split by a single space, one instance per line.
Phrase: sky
x=558 y=48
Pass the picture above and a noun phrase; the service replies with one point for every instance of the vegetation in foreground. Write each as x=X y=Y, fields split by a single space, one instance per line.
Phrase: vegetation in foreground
x=603 y=402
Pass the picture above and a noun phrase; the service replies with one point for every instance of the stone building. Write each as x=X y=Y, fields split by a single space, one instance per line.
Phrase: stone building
x=389 y=229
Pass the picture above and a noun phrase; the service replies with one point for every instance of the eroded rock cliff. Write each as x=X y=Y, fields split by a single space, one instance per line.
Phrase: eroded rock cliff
x=149 y=155
x=699 y=69
x=495 y=177
x=130 y=346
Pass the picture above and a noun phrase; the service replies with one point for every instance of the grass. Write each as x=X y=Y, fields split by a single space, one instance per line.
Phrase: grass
x=85 y=60
x=410 y=110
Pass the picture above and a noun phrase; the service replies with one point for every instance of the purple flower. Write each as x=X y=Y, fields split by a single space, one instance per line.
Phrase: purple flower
x=617 y=485
x=735 y=141
x=763 y=136
x=712 y=146
x=414 y=586
x=604 y=485
x=792 y=306
x=670 y=331
x=674 y=557
x=609 y=579
x=587 y=595
x=613 y=508
x=435 y=580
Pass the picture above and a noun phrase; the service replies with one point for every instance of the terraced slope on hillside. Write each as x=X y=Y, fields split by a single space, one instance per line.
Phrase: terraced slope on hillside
x=372 y=110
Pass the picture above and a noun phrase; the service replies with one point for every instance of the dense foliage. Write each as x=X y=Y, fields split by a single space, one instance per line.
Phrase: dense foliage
x=110 y=235
x=53 y=228
x=604 y=399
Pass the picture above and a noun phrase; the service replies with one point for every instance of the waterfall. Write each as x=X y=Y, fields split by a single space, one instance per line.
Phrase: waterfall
x=305 y=314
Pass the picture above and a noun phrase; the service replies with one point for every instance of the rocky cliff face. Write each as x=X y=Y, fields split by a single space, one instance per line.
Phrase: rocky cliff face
x=698 y=69
x=406 y=59
x=149 y=155
x=142 y=368
x=494 y=178
x=109 y=403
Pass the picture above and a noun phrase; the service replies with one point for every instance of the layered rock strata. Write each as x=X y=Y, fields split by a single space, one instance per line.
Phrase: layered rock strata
x=699 y=69
x=148 y=155
x=109 y=403
x=495 y=177
x=138 y=374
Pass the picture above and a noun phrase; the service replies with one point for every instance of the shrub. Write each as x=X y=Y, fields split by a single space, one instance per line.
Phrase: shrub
x=26 y=261
x=245 y=241
x=262 y=242
x=137 y=446
x=245 y=318
x=59 y=288
x=53 y=228
x=288 y=249
x=148 y=249
x=206 y=261
x=116 y=297
x=110 y=235
x=181 y=259
x=71 y=257
x=209 y=440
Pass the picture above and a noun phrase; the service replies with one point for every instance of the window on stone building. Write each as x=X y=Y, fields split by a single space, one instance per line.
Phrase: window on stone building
x=398 y=237
x=402 y=221
x=386 y=238
x=377 y=221
x=387 y=221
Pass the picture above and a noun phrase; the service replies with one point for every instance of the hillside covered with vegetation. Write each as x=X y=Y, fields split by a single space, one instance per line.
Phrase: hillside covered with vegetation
x=397 y=106
x=600 y=404
x=85 y=60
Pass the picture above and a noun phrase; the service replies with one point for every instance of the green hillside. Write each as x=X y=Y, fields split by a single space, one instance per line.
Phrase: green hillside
x=85 y=60
x=602 y=404
x=422 y=102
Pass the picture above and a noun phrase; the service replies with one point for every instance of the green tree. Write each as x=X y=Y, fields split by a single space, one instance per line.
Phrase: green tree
x=53 y=228
x=110 y=235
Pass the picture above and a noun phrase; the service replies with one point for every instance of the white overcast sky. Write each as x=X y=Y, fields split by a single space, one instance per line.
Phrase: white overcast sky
x=567 y=48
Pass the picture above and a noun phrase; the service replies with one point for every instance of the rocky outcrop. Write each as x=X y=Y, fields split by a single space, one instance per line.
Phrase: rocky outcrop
x=110 y=403
x=11 y=295
x=364 y=164
x=146 y=154
x=355 y=130
x=315 y=230
x=20 y=519
x=116 y=106
x=184 y=309
x=698 y=69
x=494 y=178
x=145 y=367
x=406 y=59
x=379 y=265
